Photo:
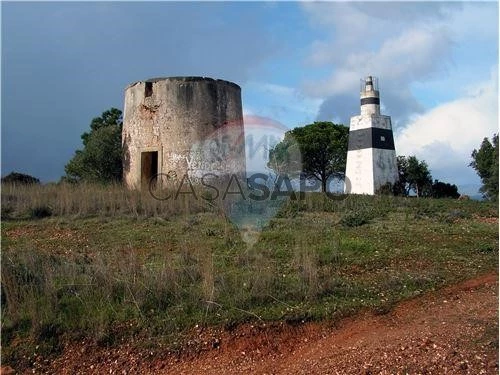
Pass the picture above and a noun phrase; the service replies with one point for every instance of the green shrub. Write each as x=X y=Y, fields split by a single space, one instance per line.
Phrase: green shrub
x=487 y=248
x=7 y=210
x=20 y=178
x=355 y=219
x=40 y=212
x=454 y=215
x=386 y=189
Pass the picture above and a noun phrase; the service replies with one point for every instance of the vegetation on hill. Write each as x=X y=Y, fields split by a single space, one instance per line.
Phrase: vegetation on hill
x=109 y=263
x=101 y=158
x=485 y=162
x=20 y=178
x=323 y=151
x=319 y=152
x=414 y=175
x=444 y=190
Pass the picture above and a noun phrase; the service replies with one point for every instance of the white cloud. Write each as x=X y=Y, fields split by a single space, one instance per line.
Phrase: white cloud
x=365 y=26
x=248 y=111
x=446 y=135
x=400 y=43
x=412 y=55
x=423 y=53
x=477 y=20
x=283 y=103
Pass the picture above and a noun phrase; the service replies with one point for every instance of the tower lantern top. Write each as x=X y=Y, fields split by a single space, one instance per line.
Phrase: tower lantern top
x=370 y=99
x=369 y=83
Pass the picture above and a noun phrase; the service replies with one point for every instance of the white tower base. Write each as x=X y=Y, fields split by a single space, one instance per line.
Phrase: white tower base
x=369 y=169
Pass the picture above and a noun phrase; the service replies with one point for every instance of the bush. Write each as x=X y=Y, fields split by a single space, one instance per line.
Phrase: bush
x=100 y=160
x=386 y=189
x=20 y=178
x=454 y=215
x=6 y=211
x=355 y=219
x=487 y=248
x=40 y=212
x=444 y=190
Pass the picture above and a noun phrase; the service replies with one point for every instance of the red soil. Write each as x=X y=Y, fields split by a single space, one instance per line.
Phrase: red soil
x=450 y=331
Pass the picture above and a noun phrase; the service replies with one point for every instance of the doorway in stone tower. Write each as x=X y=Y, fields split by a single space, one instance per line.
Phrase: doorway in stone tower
x=149 y=167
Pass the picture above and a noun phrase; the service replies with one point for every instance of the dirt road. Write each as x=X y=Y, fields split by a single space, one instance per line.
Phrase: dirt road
x=451 y=331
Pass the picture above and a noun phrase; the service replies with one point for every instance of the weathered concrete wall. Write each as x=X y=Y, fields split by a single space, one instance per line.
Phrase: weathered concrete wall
x=369 y=121
x=373 y=106
x=194 y=123
x=359 y=172
x=385 y=168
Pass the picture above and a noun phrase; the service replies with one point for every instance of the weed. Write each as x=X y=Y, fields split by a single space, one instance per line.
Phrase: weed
x=7 y=210
x=355 y=219
x=39 y=212
x=487 y=248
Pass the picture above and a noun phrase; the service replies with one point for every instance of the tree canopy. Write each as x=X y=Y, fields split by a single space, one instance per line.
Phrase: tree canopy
x=323 y=151
x=100 y=160
x=485 y=162
x=414 y=175
x=20 y=178
x=444 y=190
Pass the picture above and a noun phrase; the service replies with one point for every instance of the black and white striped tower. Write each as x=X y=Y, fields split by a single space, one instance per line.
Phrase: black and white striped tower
x=371 y=156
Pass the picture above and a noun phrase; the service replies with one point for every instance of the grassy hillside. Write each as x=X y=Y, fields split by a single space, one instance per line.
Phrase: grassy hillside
x=103 y=263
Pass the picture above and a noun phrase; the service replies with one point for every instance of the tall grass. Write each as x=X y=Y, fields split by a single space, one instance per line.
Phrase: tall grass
x=166 y=293
x=82 y=200
x=21 y=201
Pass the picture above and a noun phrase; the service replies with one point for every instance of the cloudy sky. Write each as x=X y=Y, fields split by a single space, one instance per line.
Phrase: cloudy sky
x=437 y=63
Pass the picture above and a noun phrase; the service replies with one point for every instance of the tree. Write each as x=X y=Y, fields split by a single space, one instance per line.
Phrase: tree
x=20 y=178
x=444 y=190
x=402 y=187
x=101 y=157
x=413 y=175
x=323 y=150
x=419 y=177
x=284 y=157
x=485 y=162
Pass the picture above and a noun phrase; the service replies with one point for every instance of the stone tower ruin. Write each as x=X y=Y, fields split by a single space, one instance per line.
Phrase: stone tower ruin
x=371 y=156
x=182 y=126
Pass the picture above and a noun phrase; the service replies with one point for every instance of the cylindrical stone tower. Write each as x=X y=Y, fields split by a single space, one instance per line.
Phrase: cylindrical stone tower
x=182 y=126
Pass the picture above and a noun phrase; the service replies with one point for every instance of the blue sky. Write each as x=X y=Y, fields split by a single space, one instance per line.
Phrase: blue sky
x=65 y=63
